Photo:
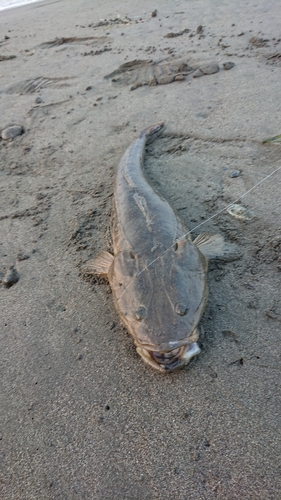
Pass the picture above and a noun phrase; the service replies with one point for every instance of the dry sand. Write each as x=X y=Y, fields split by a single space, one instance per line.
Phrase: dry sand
x=82 y=417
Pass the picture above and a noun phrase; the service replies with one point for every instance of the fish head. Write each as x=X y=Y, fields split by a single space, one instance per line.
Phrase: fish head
x=162 y=306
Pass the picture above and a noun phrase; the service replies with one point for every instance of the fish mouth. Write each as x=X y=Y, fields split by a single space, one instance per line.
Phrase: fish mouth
x=168 y=361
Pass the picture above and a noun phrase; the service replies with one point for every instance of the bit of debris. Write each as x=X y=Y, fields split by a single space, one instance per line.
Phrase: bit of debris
x=96 y=52
x=239 y=212
x=179 y=33
x=276 y=138
x=109 y=22
x=230 y=334
x=258 y=42
x=7 y=58
x=238 y=362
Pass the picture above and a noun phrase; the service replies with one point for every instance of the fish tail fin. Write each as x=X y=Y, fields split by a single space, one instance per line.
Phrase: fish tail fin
x=153 y=129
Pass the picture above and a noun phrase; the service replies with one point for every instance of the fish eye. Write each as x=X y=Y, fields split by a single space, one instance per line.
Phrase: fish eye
x=179 y=244
x=181 y=309
x=140 y=313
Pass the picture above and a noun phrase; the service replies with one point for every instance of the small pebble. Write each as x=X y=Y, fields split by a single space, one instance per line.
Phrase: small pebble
x=11 y=277
x=208 y=69
x=228 y=65
x=154 y=13
x=235 y=173
x=38 y=100
x=197 y=73
x=11 y=132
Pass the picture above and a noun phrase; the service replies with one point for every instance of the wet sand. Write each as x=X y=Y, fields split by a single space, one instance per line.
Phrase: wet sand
x=81 y=415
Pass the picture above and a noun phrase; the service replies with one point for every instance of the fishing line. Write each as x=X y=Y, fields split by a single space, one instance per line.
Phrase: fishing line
x=199 y=225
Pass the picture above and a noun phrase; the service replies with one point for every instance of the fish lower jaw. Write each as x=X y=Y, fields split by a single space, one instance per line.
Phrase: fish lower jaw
x=184 y=359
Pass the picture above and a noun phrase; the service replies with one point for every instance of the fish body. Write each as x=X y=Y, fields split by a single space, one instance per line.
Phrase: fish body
x=158 y=276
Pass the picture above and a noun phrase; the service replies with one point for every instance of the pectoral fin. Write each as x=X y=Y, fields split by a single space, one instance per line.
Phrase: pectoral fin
x=99 y=266
x=214 y=246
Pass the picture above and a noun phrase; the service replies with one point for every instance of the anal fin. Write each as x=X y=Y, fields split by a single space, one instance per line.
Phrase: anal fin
x=99 y=266
x=214 y=246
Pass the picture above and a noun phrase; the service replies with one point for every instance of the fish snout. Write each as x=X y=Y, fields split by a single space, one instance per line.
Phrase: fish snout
x=168 y=361
x=166 y=358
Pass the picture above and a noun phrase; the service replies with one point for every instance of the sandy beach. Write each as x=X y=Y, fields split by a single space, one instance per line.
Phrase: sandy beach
x=11 y=4
x=81 y=415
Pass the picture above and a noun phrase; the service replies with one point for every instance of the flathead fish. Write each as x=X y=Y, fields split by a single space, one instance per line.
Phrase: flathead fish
x=157 y=274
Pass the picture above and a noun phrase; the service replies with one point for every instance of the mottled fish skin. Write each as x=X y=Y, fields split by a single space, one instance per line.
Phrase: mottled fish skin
x=162 y=306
